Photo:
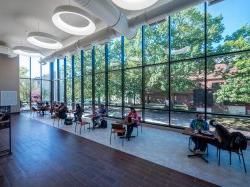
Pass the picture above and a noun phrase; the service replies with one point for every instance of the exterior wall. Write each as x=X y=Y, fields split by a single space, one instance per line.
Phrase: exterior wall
x=9 y=77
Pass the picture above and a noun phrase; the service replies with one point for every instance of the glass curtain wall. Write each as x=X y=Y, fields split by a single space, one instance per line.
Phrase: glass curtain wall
x=194 y=61
x=35 y=82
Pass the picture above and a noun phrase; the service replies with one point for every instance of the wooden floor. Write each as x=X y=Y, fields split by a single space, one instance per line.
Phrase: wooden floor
x=46 y=156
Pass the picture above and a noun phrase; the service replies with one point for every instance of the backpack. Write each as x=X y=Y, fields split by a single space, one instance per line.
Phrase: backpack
x=104 y=124
x=68 y=121
x=238 y=141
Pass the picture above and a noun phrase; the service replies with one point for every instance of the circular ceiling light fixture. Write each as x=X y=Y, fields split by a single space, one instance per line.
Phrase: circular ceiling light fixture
x=67 y=10
x=44 y=40
x=134 y=4
x=27 y=51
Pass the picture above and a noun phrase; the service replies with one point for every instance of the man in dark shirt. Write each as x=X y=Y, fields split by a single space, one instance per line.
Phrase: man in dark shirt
x=197 y=125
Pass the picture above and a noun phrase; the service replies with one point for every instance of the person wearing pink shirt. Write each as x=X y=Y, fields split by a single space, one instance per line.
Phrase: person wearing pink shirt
x=132 y=120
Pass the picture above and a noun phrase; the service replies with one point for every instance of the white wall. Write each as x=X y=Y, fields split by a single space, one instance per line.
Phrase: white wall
x=9 y=77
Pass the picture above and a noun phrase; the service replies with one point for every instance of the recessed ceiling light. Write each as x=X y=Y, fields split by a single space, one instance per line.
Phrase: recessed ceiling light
x=27 y=51
x=134 y=4
x=66 y=10
x=44 y=40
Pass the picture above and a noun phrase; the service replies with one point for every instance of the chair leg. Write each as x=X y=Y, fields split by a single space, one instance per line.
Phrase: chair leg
x=243 y=160
x=141 y=128
x=219 y=158
x=81 y=130
x=137 y=131
x=217 y=152
x=239 y=157
x=230 y=157
x=75 y=127
x=110 y=137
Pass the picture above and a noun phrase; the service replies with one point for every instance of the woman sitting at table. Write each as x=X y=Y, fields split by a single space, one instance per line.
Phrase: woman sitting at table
x=199 y=124
x=132 y=119
x=78 y=113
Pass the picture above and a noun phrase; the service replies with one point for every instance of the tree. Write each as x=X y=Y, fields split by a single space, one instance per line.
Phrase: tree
x=237 y=77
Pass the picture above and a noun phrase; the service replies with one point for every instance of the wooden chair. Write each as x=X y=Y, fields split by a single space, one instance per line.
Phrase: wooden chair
x=118 y=130
x=59 y=120
x=82 y=124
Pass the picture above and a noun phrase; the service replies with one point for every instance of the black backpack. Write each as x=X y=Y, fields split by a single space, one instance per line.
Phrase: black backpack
x=68 y=121
x=238 y=141
x=104 y=124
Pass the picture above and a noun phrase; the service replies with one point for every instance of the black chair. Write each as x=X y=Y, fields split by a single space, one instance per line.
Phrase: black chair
x=234 y=142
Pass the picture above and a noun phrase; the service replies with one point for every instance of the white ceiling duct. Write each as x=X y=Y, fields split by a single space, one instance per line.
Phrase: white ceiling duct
x=7 y=51
x=110 y=14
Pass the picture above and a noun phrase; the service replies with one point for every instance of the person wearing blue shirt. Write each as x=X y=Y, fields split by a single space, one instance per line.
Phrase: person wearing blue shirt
x=199 y=124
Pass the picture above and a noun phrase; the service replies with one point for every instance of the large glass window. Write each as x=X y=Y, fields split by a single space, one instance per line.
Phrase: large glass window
x=187 y=86
x=156 y=87
x=133 y=50
x=166 y=73
x=228 y=84
x=133 y=80
x=187 y=33
x=115 y=88
x=88 y=80
x=35 y=68
x=156 y=43
x=24 y=94
x=24 y=67
x=46 y=71
x=46 y=90
x=35 y=90
x=228 y=32
x=114 y=54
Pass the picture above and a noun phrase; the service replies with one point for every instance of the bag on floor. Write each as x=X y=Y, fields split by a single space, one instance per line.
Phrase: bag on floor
x=104 y=124
x=68 y=121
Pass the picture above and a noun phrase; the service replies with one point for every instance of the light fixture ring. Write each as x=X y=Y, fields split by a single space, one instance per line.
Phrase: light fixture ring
x=134 y=4
x=61 y=24
x=51 y=42
x=27 y=51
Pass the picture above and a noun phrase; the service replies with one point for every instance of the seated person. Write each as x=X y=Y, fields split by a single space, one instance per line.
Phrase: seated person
x=62 y=111
x=54 y=108
x=45 y=107
x=101 y=112
x=78 y=113
x=199 y=124
x=132 y=120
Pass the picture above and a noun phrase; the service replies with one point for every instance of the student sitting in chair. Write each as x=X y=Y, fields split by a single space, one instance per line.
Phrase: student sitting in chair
x=78 y=113
x=62 y=111
x=132 y=119
x=199 y=124
x=99 y=116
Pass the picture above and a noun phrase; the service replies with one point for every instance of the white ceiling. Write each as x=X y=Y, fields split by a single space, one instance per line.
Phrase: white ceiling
x=19 y=17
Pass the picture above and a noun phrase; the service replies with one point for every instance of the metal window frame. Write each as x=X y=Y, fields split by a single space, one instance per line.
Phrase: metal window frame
x=205 y=56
